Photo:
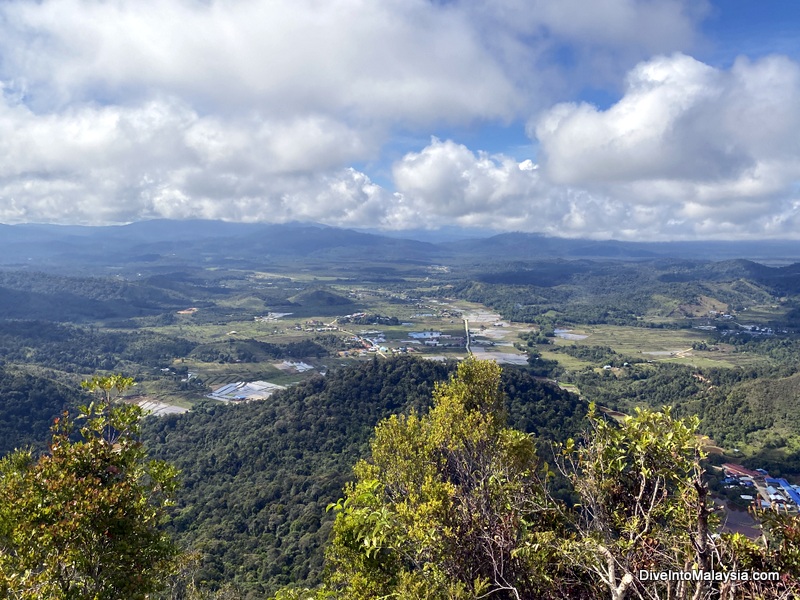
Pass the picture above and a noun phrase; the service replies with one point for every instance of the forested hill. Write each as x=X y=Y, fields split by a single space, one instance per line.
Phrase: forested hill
x=28 y=295
x=258 y=477
x=626 y=293
x=28 y=405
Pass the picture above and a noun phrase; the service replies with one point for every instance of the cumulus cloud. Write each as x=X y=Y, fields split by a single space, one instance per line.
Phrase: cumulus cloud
x=411 y=61
x=689 y=151
x=408 y=61
x=715 y=152
x=448 y=184
x=162 y=159
x=256 y=110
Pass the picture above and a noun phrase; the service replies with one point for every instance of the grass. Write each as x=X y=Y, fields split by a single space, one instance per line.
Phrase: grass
x=637 y=340
x=565 y=360
x=165 y=391
x=668 y=345
x=697 y=361
x=570 y=387
x=765 y=313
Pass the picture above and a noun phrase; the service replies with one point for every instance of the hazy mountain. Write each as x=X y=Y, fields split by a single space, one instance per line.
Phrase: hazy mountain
x=531 y=246
x=196 y=242
x=254 y=244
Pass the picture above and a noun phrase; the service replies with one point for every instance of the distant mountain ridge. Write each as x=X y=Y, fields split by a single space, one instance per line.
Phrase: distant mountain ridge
x=191 y=242
x=246 y=244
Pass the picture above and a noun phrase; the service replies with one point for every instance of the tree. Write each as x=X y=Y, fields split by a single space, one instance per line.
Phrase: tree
x=643 y=505
x=82 y=521
x=442 y=507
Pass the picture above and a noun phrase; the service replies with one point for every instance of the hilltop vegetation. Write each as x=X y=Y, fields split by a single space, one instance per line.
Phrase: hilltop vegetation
x=640 y=293
x=82 y=520
x=257 y=478
x=451 y=504
x=26 y=295
x=449 y=501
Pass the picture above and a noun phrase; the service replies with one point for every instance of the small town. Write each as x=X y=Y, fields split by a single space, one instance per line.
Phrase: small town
x=767 y=492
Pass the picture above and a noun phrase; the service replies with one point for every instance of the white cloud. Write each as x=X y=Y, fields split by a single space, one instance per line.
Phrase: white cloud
x=412 y=63
x=111 y=164
x=448 y=184
x=403 y=60
x=717 y=152
x=679 y=119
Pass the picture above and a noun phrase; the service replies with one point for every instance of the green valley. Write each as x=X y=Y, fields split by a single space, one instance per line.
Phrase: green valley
x=309 y=355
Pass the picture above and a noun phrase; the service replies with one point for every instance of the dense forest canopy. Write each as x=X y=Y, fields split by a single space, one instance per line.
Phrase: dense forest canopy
x=257 y=478
x=449 y=501
x=451 y=504
x=82 y=521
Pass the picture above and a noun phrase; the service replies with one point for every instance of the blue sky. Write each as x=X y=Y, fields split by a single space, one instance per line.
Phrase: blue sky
x=626 y=119
x=754 y=29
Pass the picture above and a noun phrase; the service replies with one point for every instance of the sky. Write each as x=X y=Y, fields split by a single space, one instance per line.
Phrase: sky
x=624 y=119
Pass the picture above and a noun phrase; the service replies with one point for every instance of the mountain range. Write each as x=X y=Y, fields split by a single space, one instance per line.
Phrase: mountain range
x=218 y=243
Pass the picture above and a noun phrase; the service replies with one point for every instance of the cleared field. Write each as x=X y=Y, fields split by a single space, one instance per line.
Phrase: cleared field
x=659 y=345
x=160 y=392
x=697 y=361
x=718 y=359
x=565 y=360
x=154 y=407
x=570 y=387
x=763 y=314
x=636 y=340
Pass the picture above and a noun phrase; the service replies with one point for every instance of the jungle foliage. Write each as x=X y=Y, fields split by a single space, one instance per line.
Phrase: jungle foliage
x=82 y=522
x=30 y=403
x=257 y=478
x=453 y=503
